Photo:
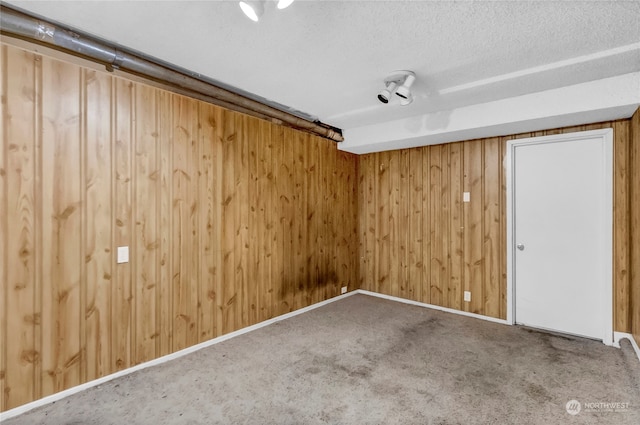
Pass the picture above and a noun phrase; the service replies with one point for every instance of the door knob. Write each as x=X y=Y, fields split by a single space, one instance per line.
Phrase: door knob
x=520 y=247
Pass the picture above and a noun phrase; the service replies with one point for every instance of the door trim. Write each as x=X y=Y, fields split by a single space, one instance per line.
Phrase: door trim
x=606 y=286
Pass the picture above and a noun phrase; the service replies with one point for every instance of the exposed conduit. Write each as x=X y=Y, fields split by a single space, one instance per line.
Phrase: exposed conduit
x=22 y=25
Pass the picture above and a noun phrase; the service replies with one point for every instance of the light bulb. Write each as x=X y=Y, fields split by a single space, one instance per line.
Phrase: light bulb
x=284 y=3
x=253 y=9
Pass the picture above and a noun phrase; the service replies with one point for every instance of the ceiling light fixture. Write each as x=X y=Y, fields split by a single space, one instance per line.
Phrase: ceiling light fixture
x=398 y=82
x=255 y=8
x=283 y=4
x=386 y=93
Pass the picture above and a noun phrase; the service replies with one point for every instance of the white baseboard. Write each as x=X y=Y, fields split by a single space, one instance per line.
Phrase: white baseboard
x=434 y=307
x=617 y=336
x=66 y=393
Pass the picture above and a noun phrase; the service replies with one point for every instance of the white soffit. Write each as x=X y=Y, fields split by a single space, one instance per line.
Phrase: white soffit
x=595 y=101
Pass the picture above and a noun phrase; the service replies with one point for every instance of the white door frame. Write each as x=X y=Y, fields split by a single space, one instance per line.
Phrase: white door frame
x=607 y=248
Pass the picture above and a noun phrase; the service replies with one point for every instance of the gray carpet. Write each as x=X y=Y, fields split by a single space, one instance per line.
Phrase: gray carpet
x=364 y=360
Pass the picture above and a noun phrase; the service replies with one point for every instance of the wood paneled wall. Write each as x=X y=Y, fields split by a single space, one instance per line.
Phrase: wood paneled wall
x=634 y=233
x=230 y=221
x=420 y=241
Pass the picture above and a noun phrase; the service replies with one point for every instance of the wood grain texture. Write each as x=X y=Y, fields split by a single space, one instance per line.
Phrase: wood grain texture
x=382 y=223
x=459 y=246
x=298 y=220
x=241 y=217
x=209 y=230
x=20 y=239
x=229 y=221
x=164 y=305
x=4 y=217
x=456 y=227
x=123 y=97
x=634 y=167
x=474 y=256
x=491 y=227
x=414 y=228
x=621 y=219
x=98 y=224
x=62 y=313
x=438 y=166
x=146 y=241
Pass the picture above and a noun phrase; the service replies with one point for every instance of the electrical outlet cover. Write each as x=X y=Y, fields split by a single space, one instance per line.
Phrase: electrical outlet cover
x=123 y=254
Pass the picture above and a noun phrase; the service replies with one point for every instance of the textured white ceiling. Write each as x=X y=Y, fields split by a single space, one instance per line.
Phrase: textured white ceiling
x=328 y=58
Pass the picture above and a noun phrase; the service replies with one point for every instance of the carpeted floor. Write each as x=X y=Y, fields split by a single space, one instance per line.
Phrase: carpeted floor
x=365 y=360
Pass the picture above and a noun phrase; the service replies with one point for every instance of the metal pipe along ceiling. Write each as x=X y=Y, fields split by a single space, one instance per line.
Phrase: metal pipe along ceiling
x=22 y=25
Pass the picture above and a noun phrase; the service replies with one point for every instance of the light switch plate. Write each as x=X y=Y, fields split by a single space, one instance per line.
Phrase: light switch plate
x=467 y=296
x=123 y=254
x=466 y=197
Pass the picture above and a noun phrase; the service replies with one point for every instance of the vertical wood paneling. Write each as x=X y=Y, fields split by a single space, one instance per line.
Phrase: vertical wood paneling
x=123 y=93
x=634 y=225
x=229 y=221
x=241 y=216
x=61 y=300
x=209 y=229
x=4 y=216
x=98 y=224
x=503 y=230
x=217 y=141
x=145 y=244
x=368 y=216
x=415 y=225
x=164 y=294
x=299 y=219
x=425 y=296
x=491 y=227
x=394 y=240
x=444 y=195
x=314 y=226
x=267 y=222
x=474 y=257
x=20 y=229
x=463 y=243
x=284 y=269
x=621 y=216
x=382 y=224
x=343 y=189
x=288 y=216
x=255 y=259
x=328 y=262
x=194 y=226
x=404 y=237
x=436 y=229
x=456 y=227
x=184 y=210
x=229 y=201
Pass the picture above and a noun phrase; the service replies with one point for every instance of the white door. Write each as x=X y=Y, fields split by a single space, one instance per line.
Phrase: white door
x=561 y=201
